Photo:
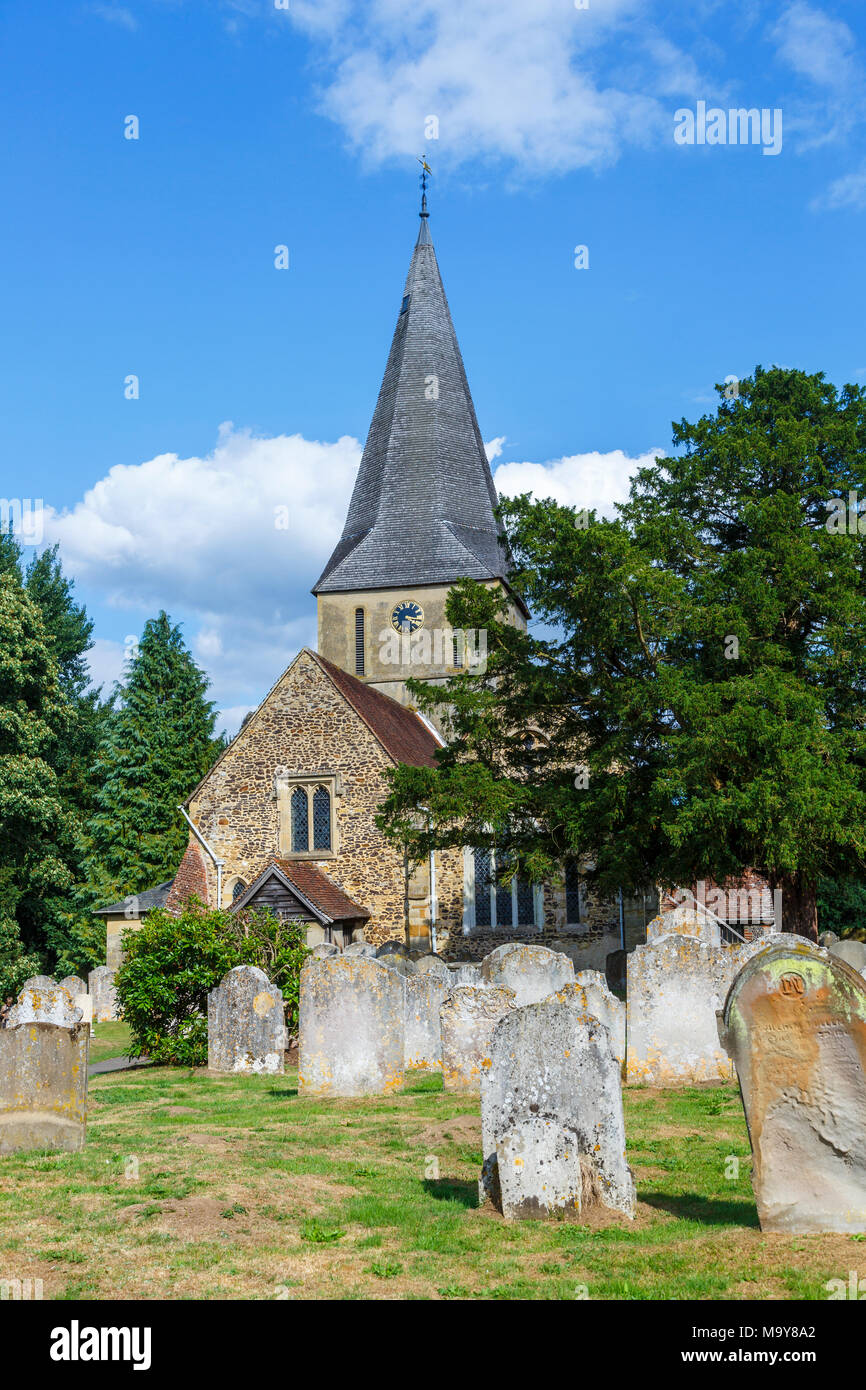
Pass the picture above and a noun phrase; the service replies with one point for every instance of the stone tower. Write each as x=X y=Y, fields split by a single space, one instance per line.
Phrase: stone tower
x=421 y=514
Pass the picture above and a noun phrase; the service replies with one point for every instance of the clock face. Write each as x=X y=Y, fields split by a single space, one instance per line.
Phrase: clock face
x=407 y=614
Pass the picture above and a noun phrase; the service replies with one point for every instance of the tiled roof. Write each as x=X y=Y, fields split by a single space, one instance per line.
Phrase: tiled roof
x=400 y=731
x=327 y=902
x=144 y=902
x=422 y=508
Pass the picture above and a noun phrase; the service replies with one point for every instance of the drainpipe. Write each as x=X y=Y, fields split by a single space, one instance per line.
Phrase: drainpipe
x=433 y=902
x=203 y=842
x=621 y=923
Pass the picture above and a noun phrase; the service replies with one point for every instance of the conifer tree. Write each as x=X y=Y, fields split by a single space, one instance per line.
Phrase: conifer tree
x=158 y=743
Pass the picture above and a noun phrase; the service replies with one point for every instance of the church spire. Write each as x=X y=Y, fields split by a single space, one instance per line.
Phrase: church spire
x=422 y=508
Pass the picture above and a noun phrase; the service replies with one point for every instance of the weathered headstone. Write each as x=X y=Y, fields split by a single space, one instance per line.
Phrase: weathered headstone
x=360 y=948
x=325 y=950
x=794 y=1023
x=101 y=985
x=590 y=995
x=74 y=984
x=38 y=982
x=467 y=975
x=425 y=995
x=352 y=1027
x=468 y=1018
x=49 y=1003
x=43 y=1081
x=392 y=948
x=553 y=1135
x=676 y=985
x=853 y=953
x=533 y=972
x=615 y=970
x=691 y=921
x=401 y=965
x=826 y=938
x=246 y=1029
x=433 y=965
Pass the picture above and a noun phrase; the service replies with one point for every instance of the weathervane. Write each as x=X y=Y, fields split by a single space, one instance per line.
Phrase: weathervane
x=425 y=170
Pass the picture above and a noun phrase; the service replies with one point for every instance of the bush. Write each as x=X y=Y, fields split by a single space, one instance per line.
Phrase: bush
x=16 y=965
x=172 y=962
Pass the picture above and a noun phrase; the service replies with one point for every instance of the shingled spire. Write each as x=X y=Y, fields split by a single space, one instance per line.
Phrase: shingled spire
x=422 y=508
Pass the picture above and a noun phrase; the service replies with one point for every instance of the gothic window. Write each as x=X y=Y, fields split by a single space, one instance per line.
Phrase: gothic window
x=497 y=904
x=238 y=889
x=300 y=821
x=321 y=818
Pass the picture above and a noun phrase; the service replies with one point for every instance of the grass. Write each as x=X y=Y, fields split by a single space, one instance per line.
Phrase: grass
x=194 y=1186
x=110 y=1040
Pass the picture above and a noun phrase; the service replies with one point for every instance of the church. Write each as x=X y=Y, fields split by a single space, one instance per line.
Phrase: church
x=286 y=816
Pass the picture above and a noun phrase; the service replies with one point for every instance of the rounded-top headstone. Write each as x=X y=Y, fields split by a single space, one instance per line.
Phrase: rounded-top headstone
x=74 y=984
x=246 y=1029
x=39 y=1005
x=401 y=964
x=433 y=965
x=38 y=982
x=850 y=950
x=687 y=920
x=392 y=948
x=533 y=972
x=794 y=1023
x=325 y=949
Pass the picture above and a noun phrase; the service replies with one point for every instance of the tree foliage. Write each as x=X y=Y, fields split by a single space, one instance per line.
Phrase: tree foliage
x=696 y=697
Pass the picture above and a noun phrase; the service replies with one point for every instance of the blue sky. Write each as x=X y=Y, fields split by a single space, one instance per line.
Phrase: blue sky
x=261 y=127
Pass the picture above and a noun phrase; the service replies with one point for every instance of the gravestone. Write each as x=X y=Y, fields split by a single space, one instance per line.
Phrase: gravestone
x=498 y=953
x=676 y=985
x=392 y=948
x=49 y=1003
x=467 y=1019
x=43 y=1079
x=853 y=953
x=826 y=938
x=426 y=992
x=467 y=975
x=433 y=965
x=325 y=950
x=533 y=972
x=74 y=984
x=246 y=1029
x=352 y=1027
x=553 y=1135
x=589 y=994
x=38 y=982
x=360 y=948
x=691 y=921
x=101 y=985
x=794 y=1023
x=401 y=965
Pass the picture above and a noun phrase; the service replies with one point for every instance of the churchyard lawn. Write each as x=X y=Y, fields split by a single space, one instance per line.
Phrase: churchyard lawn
x=199 y=1186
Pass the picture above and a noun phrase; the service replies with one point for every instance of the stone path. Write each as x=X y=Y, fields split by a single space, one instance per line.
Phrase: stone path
x=117 y=1064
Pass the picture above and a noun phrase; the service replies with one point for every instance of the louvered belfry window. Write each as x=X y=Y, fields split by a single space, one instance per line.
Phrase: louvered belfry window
x=300 y=821
x=321 y=818
x=359 y=641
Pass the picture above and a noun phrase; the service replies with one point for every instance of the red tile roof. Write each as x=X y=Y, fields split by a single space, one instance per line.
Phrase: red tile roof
x=319 y=890
x=401 y=731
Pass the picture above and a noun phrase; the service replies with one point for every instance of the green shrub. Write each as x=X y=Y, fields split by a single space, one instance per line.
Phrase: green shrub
x=172 y=962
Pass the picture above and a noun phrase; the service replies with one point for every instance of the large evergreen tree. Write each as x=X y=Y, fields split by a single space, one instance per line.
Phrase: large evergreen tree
x=697 y=705
x=36 y=830
x=158 y=743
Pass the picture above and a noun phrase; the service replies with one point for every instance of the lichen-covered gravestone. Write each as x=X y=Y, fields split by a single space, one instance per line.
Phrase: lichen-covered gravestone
x=74 y=984
x=246 y=1029
x=467 y=975
x=468 y=1018
x=553 y=1135
x=676 y=986
x=360 y=948
x=101 y=985
x=352 y=1027
x=590 y=995
x=794 y=1023
x=426 y=992
x=400 y=964
x=325 y=950
x=43 y=1075
x=851 y=951
x=434 y=965
x=43 y=1001
x=693 y=921
x=533 y=972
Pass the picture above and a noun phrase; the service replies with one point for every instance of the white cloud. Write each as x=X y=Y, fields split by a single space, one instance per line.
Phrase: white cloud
x=594 y=481
x=815 y=45
x=533 y=84
x=493 y=447
x=846 y=192
x=196 y=536
x=116 y=14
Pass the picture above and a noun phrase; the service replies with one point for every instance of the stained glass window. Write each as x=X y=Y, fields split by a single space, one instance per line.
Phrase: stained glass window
x=482 y=887
x=321 y=818
x=300 y=825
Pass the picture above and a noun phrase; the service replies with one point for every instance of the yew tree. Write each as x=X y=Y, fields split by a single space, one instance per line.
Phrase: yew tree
x=692 y=700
